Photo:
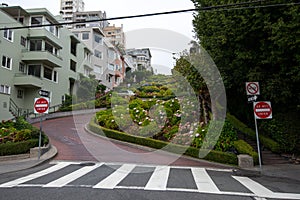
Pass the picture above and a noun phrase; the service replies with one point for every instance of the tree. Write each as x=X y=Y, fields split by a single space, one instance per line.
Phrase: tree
x=254 y=44
x=86 y=88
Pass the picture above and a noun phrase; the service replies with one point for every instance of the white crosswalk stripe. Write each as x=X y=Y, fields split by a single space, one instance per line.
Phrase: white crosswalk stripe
x=112 y=181
x=159 y=179
x=203 y=181
x=71 y=174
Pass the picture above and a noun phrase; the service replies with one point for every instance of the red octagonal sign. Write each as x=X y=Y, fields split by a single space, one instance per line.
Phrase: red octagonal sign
x=41 y=105
x=263 y=110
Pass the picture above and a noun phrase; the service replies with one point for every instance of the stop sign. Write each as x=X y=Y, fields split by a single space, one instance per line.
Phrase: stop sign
x=263 y=110
x=41 y=105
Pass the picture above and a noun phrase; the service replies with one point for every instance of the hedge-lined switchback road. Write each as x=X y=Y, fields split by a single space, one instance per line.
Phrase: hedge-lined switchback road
x=75 y=144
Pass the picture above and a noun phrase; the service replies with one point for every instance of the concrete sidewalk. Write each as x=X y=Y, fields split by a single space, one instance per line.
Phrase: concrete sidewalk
x=11 y=165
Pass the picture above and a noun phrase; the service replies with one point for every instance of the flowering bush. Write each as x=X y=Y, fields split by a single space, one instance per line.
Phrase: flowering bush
x=18 y=131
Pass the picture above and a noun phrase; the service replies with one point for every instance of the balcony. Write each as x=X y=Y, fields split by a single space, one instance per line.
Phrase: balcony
x=43 y=33
x=88 y=64
x=41 y=56
x=118 y=73
x=27 y=81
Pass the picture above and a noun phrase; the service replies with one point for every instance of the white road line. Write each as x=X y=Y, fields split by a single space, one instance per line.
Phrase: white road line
x=262 y=192
x=115 y=178
x=72 y=176
x=203 y=181
x=159 y=178
x=35 y=175
x=254 y=187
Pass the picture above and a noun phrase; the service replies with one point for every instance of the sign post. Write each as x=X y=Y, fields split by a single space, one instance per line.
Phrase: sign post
x=41 y=105
x=262 y=110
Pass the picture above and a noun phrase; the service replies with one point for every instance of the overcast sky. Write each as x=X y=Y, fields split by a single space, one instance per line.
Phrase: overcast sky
x=178 y=23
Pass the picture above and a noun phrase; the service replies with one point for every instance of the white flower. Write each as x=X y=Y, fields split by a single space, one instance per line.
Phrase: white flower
x=140 y=123
x=197 y=135
x=137 y=111
x=112 y=120
x=203 y=130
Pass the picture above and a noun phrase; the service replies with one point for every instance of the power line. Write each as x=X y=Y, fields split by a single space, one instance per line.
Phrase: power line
x=208 y=8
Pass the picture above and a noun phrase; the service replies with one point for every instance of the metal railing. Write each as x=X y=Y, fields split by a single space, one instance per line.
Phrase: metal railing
x=28 y=113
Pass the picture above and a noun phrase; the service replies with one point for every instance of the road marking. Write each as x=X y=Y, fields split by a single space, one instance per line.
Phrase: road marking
x=72 y=176
x=262 y=192
x=115 y=178
x=203 y=181
x=253 y=186
x=35 y=175
x=159 y=179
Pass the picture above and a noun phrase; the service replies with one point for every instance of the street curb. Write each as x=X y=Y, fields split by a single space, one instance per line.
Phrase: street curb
x=247 y=172
x=22 y=164
x=145 y=148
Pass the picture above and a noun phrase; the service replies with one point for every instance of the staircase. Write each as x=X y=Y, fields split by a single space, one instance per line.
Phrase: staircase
x=14 y=109
x=267 y=156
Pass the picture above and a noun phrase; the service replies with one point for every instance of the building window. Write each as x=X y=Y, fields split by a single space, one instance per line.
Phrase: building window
x=73 y=65
x=98 y=69
x=34 y=70
x=55 y=76
x=8 y=34
x=111 y=67
x=98 y=39
x=4 y=89
x=73 y=47
x=22 y=68
x=85 y=35
x=98 y=54
x=20 y=19
x=35 y=45
x=23 y=41
x=47 y=73
x=49 y=47
x=20 y=94
x=36 y=21
x=6 y=62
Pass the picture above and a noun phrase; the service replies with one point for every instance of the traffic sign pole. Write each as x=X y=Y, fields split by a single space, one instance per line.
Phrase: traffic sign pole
x=40 y=138
x=257 y=141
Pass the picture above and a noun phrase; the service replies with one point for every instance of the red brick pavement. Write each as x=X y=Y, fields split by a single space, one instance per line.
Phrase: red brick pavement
x=74 y=143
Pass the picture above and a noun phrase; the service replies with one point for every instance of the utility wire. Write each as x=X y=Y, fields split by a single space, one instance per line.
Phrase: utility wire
x=208 y=8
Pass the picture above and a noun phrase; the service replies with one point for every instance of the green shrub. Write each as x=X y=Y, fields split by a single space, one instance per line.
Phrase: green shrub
x=12 y=148
x=244 y=148
x=216 y=156
x=265 y=141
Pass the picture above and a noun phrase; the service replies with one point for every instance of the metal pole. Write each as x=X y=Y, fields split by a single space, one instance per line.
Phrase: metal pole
x=257 y=140
x=40 y=138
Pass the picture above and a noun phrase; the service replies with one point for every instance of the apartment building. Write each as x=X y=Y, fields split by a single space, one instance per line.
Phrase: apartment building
x=116 y=35
x=68 y=7
x=140 y=59
x=81 y=18
x=47 y=58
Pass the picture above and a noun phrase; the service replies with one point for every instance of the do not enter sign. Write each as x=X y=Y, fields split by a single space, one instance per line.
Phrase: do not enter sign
x=263 y=110
x=41 y=105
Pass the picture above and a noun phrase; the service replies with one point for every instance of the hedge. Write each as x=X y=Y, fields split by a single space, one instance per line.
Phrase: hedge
x=244 y=148
x=216 y=156
x=13 y=148
x=265 y=141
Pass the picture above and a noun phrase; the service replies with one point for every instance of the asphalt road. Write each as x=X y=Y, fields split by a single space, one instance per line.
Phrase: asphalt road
x=65 y=180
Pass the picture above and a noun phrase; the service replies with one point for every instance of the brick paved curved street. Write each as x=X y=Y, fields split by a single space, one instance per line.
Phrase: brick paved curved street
x=74 y=143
